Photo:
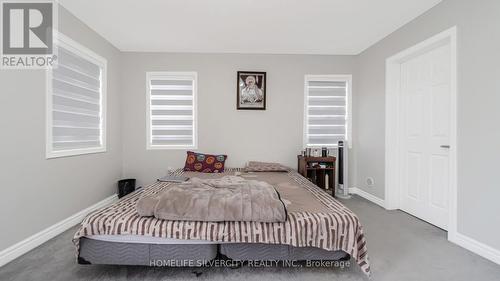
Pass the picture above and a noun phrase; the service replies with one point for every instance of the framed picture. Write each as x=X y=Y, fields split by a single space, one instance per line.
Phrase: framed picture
x=251 y=90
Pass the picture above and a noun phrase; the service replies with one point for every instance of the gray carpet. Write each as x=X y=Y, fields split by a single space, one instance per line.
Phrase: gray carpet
x=400 y=246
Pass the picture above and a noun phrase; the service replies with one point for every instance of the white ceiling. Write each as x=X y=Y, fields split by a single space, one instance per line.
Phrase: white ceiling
x=344 y=27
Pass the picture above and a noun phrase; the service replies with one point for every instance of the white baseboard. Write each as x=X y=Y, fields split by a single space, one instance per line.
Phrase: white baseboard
x=476 y=247
x=43 y=236
x=367 y=196
x=461 y=240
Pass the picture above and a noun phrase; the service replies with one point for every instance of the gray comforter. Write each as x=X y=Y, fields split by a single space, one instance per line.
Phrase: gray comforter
x=229 y=198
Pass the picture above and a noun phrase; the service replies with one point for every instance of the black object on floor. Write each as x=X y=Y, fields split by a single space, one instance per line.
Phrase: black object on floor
x=125 y=187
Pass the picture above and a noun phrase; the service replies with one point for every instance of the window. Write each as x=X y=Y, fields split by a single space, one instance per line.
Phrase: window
x=171 y=110
x=76 y=101
x=327 y=110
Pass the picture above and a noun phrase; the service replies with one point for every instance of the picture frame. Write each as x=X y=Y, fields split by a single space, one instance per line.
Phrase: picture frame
x=251 y=90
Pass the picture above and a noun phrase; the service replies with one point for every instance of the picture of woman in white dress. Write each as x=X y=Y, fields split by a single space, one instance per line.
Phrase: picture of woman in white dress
x=251 y=90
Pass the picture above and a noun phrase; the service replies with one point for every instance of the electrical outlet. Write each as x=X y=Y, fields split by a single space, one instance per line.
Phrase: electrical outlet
x=370 y=182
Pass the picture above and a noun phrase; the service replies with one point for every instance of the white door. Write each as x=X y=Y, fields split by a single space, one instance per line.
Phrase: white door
x=425 y=135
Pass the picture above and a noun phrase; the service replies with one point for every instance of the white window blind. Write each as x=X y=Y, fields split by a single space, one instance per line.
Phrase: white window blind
x=171 y=101
x=76 y=101
x=327 y=110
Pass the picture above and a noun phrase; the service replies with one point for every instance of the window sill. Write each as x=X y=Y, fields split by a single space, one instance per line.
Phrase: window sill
x=74 y=152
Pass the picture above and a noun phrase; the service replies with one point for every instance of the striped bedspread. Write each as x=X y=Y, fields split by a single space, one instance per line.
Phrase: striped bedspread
x=331 y=227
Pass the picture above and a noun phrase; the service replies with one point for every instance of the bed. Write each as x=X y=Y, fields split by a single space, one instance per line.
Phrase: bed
x=318 y=227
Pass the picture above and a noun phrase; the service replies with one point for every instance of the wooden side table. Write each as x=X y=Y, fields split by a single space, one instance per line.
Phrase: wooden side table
x=317 y=174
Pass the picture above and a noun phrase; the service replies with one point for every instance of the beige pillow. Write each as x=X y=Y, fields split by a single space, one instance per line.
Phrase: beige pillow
x=255 y=166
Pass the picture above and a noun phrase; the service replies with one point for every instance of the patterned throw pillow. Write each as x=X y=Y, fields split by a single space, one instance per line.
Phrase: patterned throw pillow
x=204 y=163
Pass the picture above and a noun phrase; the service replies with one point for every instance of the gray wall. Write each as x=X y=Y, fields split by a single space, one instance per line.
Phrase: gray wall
x=43 y=192
x=271 y=135
x=478 y=114
x=36 y=192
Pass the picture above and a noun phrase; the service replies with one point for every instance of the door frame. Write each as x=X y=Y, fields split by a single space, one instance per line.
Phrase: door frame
x=392 y=134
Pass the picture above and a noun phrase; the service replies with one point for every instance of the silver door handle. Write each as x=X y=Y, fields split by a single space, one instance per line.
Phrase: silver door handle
x=445 y=146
